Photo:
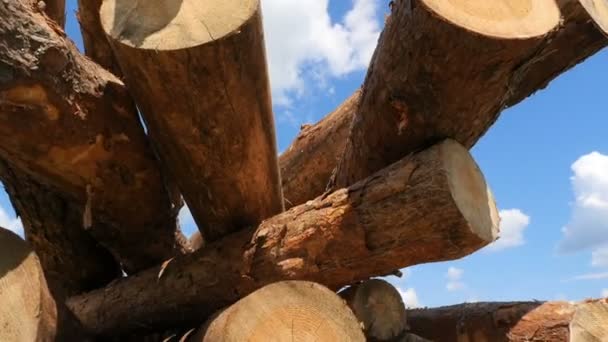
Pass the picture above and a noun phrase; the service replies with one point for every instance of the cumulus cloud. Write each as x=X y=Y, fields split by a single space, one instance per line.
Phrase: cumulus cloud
x=513 y=222
x=455 y=282
x=588 y=224
x=303 y=43
x=605 y=293
x=409 y=297
x=592 y=276
x=12 y=224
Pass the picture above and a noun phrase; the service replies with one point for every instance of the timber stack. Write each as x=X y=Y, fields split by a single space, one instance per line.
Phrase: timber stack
x=289 y=247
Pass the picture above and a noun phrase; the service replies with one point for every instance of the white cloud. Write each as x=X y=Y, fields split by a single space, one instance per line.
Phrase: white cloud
x=302 y=39
x=588 y=225
x=599 y=257
x=410 y=297
x=592 y=276
x=513 y=222
x=12 y=224
x=455 y=282
x=605 y=293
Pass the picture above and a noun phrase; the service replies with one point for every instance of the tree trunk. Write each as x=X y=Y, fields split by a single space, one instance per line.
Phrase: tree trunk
x=513 y=322
x=73 y=262
x=432 y=206
x=55 y=9
x=202 y=86
x=28 y=311
x=284 y=311
x=70 y=124
x=379 y=308
x=308 y=162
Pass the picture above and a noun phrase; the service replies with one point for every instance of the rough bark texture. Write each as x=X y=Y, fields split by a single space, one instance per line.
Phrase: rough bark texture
x=284 y=311
x=207 y=107
x=73 y=262
x=513 y=322
x=308 y=162
x=379 y=307
x=70 y=124
x=28 y=312
x=415 y=211
x=55 y=9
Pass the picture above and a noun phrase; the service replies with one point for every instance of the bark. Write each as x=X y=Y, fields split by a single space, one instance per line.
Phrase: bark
x=307 y=164
x=203 y=89
x=55 y=9
x=70 y=124
x=284 y=311
x=513 y=322
x=73 y=262
x=432 y=206
x=597 y=9
x=28 y=311
x=441 y=71
x=379 y=307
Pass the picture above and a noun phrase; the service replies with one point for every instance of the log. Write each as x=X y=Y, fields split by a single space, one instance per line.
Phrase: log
x=307 y=164
x=447 y=69
x=70 y=124
x=372 y=228
x=55 y=9
x=28 y=311
x=598 y=10
x=514 y=322
x=379 y=308
x=284 y=311
x=206 y=103
x=73 y=262
x=196 y=241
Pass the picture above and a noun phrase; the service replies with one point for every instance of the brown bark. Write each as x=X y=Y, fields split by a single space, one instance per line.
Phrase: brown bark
x=284 y=311
x=432 y=206
x=513 y=322
x=70 y=124
x=308 y=162
x=440 y=70
x=73 y=262
x=379 y=307
x=55 y=9
x=28 y=312
x=202 y=86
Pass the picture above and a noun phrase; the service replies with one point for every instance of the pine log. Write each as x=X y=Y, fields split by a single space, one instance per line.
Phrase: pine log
x=71 y=124
x=372 y=228
x=597 y=9
x=447 y=69
x=73 y=262
x=378 y=307
x=307 y=164
x=514 y=322
x=55 y=9
x=284 y=311
x=202 y=86
x=28 y=312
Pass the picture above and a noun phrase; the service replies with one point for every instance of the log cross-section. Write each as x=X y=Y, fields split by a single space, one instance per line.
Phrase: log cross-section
x=197 y=70
x=432 y=206
x=71 y=124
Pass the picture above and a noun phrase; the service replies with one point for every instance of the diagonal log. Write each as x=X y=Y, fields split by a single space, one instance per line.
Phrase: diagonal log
x=432 y=206
x=55 y=9
x=70 y=124
x=513 y=322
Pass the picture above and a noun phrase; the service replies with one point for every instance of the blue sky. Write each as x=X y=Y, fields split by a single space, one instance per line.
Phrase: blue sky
x=546 y=159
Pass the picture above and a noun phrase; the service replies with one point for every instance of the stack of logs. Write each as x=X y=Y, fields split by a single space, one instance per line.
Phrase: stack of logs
x=382 y=183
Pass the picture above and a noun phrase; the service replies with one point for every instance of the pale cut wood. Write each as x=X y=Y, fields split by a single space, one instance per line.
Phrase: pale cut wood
x=73 y=262
x=197 y=71
x=432 y=206
x=514 y=322
x=379 y=307
x=284 y=311
x=598 y=10
x=28 y=312
x=70 y=124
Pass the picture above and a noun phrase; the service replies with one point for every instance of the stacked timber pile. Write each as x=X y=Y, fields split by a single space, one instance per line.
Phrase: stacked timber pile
x=382 y=183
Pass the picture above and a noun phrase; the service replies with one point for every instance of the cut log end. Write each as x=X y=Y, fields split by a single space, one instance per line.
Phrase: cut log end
x=289 y=310
x=501 y=19
x=470 y=191
x=172 y=25
x=598 y=10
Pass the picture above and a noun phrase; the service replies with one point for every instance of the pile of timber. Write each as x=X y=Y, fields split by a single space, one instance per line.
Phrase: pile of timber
x=170 y=103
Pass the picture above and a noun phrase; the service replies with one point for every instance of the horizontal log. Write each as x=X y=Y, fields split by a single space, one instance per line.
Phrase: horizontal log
x=202 y=86
x=513 y=322
x=73 y=262
x=432 y=206
x=284 y=311
x=71 y=125
x=28 y=311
